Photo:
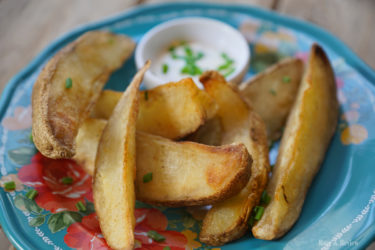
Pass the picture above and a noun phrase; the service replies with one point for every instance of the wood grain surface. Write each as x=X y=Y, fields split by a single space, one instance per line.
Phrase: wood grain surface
x=27 y=26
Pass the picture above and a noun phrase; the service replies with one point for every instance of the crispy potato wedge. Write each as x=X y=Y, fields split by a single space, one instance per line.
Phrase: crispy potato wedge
x=87 y=142
x=188 y=173
x=58 y=110
x=113 y=187
x=227 y=220
x=184 y=173
x=272 y=94
x=209 y=133
x=105 y=104
x=173 y=110
x=308 y=132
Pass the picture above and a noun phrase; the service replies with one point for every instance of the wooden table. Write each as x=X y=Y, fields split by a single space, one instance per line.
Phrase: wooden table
x=27 y=26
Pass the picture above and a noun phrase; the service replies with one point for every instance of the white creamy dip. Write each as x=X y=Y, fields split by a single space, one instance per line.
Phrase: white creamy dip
x=190 y=59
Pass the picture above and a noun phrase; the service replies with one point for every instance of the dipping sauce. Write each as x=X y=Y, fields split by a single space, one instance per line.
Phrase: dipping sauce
x=190 y=59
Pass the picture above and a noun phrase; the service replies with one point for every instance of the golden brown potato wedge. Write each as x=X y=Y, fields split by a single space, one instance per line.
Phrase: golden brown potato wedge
x=87 y=142
x=172 y=110
x=272 y=93
x=308 y=132
x=113 y=187
x=106 y=103
x=209 y=133
x=227 y=220
x=188 y=173
x=183 y=173
x=68 y=87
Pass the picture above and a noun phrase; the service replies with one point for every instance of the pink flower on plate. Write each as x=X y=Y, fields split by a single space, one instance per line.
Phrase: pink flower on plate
x=339 y=82
x=152 y=219
x=20 y=120
x=45 y=175
x=304 y=56
x=86 y=234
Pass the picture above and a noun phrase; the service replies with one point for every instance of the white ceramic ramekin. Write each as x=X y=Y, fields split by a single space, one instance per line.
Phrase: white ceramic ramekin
x=204 y=30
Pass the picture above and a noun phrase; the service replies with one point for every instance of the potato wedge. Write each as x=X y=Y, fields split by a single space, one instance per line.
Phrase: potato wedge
x=188 y=173
x=113 y=187
x=209 y=133
x=59 y=109
x=184 y=173
x=87 y=142
x=308 y=132
x=272 y=94
x=172 y=110
x=227 y=220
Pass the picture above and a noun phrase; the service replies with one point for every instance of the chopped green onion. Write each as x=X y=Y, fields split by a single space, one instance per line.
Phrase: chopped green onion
x=272 y=166
x=67 y=180
x=68 y=83
x=227 y=65
x=165 y=68
x=171 y=48
x=146 y=95
x=111 y=40
x=188 y=51
x=147 y=177
x=265 y=199
x=80 y=206
x=224 y=66
x=31 y=194
x=10 y=185
x=31 y=138
x=155 y=236
x=191 y=69
x=259 y=210
x=166 y=248
x=286 y=79
x=271 y=144
x=272 y=91
x=230 y=71
x=199 y=56
x=251 y=221
x=225 y=56
x=175 y=56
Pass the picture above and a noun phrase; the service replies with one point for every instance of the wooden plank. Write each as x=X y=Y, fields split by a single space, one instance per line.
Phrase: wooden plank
x=260 y=3
x=352 y=21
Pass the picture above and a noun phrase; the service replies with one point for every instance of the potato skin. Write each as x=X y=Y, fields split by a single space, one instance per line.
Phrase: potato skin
x=308 y=133
x=227 y=220
x=115 y=170
x=58 y=111
x=272 y=93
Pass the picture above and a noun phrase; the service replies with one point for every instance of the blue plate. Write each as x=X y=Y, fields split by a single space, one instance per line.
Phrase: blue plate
x=339 y=211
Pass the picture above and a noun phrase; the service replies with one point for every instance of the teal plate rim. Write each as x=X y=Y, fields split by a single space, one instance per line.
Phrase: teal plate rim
x=20 y=241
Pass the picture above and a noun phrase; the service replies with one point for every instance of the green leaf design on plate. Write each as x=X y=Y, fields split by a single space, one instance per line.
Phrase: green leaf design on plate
x=59 y=221
x=25 y=204
x=37 y=221
x=22 y=155
x=89 y=208
x=70 y=217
